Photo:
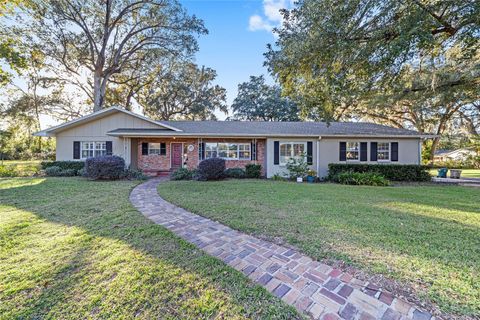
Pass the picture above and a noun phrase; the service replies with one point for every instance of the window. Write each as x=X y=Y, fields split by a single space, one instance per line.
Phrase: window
x=291 y=150
x=153 y=148
x=231 y=151
x=91 y=149
x=353 y=151
x=158 y=148
x=383 y=151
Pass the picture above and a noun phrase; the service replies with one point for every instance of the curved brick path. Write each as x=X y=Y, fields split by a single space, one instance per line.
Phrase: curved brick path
x=312 y=287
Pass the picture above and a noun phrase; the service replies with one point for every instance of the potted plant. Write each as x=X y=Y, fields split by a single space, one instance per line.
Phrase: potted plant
x=311 y=175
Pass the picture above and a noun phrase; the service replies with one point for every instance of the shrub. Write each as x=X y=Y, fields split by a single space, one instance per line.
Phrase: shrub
x=105 y=167
x=297 y=167
x=183 y=174
x=362 y=178
x=76 y=165
x=211 y=169
x=236 y=173
x=134 y=174
x=392 y=172
x=8 y=171
x=81 y=172
x=53 y=171
x=278 y=177
x=253 y=171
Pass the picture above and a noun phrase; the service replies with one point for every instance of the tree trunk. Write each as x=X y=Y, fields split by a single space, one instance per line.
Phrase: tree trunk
x=99 y=90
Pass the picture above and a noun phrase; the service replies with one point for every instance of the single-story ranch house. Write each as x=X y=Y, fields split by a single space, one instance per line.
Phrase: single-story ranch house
x=158 y=147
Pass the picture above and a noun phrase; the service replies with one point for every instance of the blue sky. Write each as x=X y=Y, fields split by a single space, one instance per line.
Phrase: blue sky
x=239 y=31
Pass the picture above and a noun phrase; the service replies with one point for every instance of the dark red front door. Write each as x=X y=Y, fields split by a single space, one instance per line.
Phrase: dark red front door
x=176 y=155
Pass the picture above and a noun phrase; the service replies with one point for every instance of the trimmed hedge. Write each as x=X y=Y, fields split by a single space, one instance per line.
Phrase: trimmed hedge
x=211 y=169
x=64 y=165
x=105 y=167
x=253 y=171
x=236 y=173
x=392 y=172
x=362 y=179
x=56 y=171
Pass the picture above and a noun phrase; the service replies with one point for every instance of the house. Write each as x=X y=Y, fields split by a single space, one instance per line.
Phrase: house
x=454 y=155
x=157 y=147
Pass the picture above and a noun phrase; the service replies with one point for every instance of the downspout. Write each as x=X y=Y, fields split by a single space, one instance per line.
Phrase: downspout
x=318 y=155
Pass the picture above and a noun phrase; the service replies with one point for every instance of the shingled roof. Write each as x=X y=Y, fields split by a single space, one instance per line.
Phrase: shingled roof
x=264 y=128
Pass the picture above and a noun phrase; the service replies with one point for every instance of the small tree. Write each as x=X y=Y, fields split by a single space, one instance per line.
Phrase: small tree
x=297 y=167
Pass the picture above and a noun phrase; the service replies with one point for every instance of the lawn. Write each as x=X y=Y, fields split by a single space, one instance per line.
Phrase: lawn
x=466 y=173
x=76 y=249
x=427 y=237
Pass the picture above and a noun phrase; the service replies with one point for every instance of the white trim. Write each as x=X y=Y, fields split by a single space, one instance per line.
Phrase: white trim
x=389 y=152
x=92 y=116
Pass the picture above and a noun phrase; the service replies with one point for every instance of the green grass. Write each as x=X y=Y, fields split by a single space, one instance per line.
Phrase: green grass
x=76 y=249
x=466 y=173
x=426 y=236
x=23 y=168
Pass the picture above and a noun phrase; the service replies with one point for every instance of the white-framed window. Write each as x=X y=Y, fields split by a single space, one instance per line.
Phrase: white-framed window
x=89 y=149
x=353 y=151
x=383 y=151
x=154 y=148
x=290 y=150
x=229 y=151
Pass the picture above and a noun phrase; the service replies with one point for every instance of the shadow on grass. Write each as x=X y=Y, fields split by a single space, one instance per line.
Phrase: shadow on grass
x=185 y=283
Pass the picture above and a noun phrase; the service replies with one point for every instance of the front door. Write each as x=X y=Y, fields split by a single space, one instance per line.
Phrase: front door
x=176 y=155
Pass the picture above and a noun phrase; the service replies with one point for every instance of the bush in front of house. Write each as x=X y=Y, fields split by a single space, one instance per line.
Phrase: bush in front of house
x=297 y=167
x=235 y=173
x=211 y=169
x=362 y=179
x=134 y=174
x=183 y=174
x=75 y=165
x=253 y=171
x=105 y=168
x=56 y=171
x=392 y=172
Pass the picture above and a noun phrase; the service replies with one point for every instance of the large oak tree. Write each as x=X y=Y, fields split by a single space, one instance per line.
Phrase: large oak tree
x=95 y=40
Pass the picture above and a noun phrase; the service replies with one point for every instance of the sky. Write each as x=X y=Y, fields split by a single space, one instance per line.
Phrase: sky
x=239 y=31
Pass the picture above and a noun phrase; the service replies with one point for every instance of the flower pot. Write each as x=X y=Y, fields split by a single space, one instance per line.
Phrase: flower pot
x=299 y=179
x=310 y=179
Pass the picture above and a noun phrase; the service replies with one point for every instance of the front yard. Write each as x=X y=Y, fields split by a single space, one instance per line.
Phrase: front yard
x=76 y=249
x=426 y=237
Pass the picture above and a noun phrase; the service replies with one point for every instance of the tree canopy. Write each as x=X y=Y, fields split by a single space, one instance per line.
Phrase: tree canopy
x=100 y=39
x=381 y=58
x=182 y=90
x=256 y=100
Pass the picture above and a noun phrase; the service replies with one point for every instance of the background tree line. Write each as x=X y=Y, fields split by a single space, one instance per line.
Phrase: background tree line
x=412 y=64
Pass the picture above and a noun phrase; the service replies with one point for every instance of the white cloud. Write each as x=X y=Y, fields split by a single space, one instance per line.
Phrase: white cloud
x=257 y=23
x=271 y=15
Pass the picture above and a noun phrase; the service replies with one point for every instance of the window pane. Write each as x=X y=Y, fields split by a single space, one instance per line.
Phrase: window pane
x=210 y=146
x=352 y=150
x=383 y=152
x=244 y=155
x=285 y=152
x=222 y=150
x=298 y=149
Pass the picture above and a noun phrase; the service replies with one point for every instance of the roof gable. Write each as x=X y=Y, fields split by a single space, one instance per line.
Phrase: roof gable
x=99 y=115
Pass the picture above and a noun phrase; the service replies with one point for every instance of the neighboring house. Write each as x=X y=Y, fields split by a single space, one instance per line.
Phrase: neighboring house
x=157 y=147
x=454 y=155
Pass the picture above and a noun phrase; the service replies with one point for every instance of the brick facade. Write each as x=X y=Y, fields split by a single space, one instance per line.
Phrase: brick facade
x=153 y=164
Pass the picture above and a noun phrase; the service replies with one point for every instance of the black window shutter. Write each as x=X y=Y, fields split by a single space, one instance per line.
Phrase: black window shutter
x=309 y=152
x=363 y=151
x=108 y=145
x=253 y=151
x=201 y=150
x=276 y=152
x=343 y=151
x=394 y=155
x=163 y=149
x=144 y=148
x=76 y=149
x=373 y=151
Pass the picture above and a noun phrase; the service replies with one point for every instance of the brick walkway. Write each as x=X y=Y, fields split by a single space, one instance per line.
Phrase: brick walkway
x=312 y=287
